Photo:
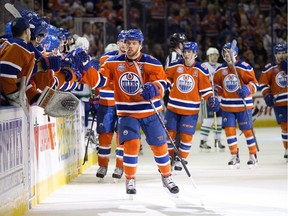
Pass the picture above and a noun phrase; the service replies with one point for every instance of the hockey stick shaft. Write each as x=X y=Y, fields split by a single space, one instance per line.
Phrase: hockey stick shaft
x=163 y=125
x=233 y=45
x=86 y=148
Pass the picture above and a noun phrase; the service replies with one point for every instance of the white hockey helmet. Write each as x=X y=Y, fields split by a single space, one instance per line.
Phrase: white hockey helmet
x=212 y=50
x=111 y=47
x=82 y=42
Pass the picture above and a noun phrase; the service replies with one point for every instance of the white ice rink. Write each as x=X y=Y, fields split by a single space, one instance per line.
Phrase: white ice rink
x=220 y=190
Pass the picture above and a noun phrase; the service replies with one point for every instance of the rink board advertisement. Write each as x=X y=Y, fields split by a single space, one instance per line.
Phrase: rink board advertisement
x=13 y=160
x=40 y=154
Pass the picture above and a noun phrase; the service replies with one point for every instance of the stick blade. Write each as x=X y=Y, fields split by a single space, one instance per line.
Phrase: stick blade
x=12 y=9
x=233 y=46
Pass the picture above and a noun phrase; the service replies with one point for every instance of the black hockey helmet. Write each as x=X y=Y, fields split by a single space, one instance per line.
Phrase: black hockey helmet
x=177 y=38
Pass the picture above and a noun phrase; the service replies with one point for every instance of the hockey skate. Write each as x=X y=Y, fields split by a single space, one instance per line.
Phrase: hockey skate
x=118 y=172
x=234 y=162
x=203 y=145
x=101 y=172
x=131 y=187
x=286 y=154
x=178 y=165
x=219 y=144
x=252 y=162
x=170 y=185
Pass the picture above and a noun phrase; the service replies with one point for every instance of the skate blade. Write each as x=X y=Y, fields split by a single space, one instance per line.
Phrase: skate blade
x=171 y=194
x=131 y=196
x=100 y=180
x=234 y=167
x=253 y=166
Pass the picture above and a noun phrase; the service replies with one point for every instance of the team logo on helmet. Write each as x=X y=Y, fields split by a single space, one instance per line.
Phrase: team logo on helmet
x=231 y=83
x=121 y=67
x=281 y=79
x=185 y=83
x=129 y=83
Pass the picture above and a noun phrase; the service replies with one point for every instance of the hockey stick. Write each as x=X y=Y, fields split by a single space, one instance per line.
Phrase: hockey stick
x=11 y=9
x=164 y=127
x=86 y=148
x=233 y=45
x=213 y=91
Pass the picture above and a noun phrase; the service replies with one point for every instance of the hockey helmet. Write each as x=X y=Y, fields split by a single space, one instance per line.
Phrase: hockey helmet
x=227 y=46
x=177 y=38
x=121 y=35
x=212 y=50
x=40 y=27
x=134 y=34
x=280 y=48
x=50 y=43
x=191 y=46
x=111 y=47
x=82 y=42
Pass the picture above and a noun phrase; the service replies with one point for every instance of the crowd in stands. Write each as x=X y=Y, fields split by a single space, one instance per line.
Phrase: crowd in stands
x=255 y=24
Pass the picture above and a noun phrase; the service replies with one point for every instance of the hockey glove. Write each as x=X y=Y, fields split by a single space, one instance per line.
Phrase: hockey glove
x=213 y=103
x=51 y=62
x=150 y=91
x=269 y=100
x=244 y=91
x=68 y=73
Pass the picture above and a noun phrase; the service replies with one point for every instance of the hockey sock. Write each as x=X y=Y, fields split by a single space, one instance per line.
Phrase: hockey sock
x=231 y=139
x=219 y=129
x=250 y=141
x=119 y=153
x=172 y=133
x=185 y=144
x=130 y=157
x=205 y=128
x=104 y=148
x=284 y=134
x=162 y=159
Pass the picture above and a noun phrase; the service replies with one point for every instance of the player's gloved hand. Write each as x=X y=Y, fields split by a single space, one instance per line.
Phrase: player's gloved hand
x=95 y=64
x=68 y=73
x=150 y=91
x=213 y=103
x=94 y=102
x=269 y=100
x=51 y=62
x=244 y=91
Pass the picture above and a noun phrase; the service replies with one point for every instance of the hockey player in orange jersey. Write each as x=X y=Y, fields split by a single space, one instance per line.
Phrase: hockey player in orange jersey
x=107 y=120
x=232 y=105
x=15 y=67
x=134 y=109
x=273 y=84
x=189 y=80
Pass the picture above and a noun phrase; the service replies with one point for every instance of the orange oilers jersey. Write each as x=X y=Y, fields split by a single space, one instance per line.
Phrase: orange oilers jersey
x=227 y=84
x=273 y=80
x=107 y=92
x=188 y=84
x=127 y=84
x=17 y=60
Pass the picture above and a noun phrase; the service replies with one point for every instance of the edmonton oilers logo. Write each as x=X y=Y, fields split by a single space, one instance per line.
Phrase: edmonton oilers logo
x=185 y=83
x=129 y=83
x=231 y=83
x=281 y=79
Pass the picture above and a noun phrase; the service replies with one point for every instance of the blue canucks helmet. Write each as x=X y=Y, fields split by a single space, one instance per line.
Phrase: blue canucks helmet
x=280 y=48
x=191 y=46
x=52 y=30
x=121 y=35
x=227 y=46
x=134 y=34
x=28 y=15
x=41 y=27
x=50 y=43
x=8 y=29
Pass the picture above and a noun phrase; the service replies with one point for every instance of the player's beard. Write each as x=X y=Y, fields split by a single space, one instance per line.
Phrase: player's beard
x=131 y=54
